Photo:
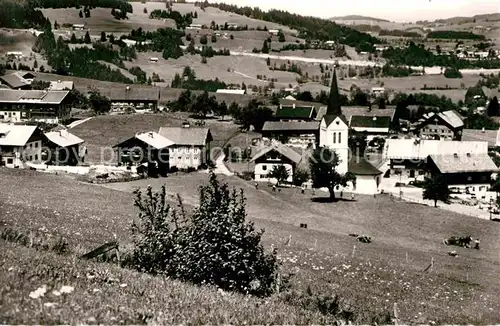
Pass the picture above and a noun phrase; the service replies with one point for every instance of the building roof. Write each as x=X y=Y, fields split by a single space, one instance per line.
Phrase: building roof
x=231 y=91
x=491 y=92
x=420 y=149
x=463 y=163
x=349 y=111
x=489 y=136
x=450 y=117
x=280 y=148
x=15 y=80
x=369 y=122
x=150 y=138
x=187 y=136
x=329 y=118
x=15 y=135
x=63 y=138
x=294 y=112
x=61 y=85
x=131 y=93
x=32 y=96
x=291 y=126
x=360 y=166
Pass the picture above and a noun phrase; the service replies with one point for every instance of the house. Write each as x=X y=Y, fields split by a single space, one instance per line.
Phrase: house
x=377 y=91
x=465 y=172
x=408 y=156
x=15 y=54
x=295 y=113
x=131 y=97
x=153 y=59
x=65 y=148
x=232 y=26
x=61 y=85
x=274 y=31
x=129 y=43
x=372 y=126
x=447 y=125
x=290 y=98
x=275 y=155
x=43 y=106
x=492 y=137
x=301 y=134
x=79 y=27
x=190 y=147
x=18 y=80
x=20 y=144
x=232 y=91
x=367 y=176
x=195 y=26
x=365 y=111
x=145 y=148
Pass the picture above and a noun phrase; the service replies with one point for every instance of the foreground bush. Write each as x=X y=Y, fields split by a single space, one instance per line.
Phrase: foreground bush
x=213 y=246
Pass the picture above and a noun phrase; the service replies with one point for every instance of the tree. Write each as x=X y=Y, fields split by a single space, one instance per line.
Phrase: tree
x=436 y=188
x=111 y=38
x=80 y=14
x=87 y=13
x=493 y=109
x=300 y=176
x=145 y=10
x=268 y=61
x=323 y=163
x=280 y=173
x=86 y=39
x=35 y=64
x=99 y=103
x=265 y=47
x=281 y=37
x=231 y=37
x=40 y=84
x=103 y=36
x=203 y=39
x=73 y=39
x=214 y=39
x=195 y=15
x=204 y=60
x=56 y=25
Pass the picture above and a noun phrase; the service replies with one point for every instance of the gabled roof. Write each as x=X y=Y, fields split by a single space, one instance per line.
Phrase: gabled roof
x=369 y=122
x=489 y=136
x=463 y=163
x=360 y=166
x=187 y=136
x=15 y=80
x=294 y=112
x=280 y=148
x=132 y=93
x=150 y=138
x=61 y=85
x=329 y=118
x=32 y=96
x=63 y=138
x=420 y=149
x=312 y=126
x=349 y=111
x=450 y=117
x=15 y=135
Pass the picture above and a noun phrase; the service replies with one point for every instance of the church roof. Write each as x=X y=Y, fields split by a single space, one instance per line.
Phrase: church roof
x=329 y=119
x=334 y=110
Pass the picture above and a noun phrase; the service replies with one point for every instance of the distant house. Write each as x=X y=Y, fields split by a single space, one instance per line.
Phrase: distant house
x=302 y=134
x=291 y=98
x=447 y=125
x=43 y=106
x=370 y=125
x=377 y=91
x=61 y=85
x=145 y=148
x=19 y=145
x=464 y=172
x=129 y=43
x=275 y=155
x=65 y=148
x=18 y=80
x=274 y=31
x=153 y=59
x=349 y=111
x=232 y=91
x=295 y=113
x=195 y=26
x=190 y=146
x=232 y=26
x=15 y=54
x=79 y=27
x=131 y=97
x=492 y=137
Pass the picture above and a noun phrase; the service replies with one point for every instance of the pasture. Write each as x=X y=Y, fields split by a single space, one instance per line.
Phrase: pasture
x=368 y=277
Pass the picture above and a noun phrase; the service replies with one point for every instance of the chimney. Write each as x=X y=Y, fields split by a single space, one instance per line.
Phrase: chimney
x=150 y=134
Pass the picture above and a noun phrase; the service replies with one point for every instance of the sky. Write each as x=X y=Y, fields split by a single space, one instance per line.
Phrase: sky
x=393 y=10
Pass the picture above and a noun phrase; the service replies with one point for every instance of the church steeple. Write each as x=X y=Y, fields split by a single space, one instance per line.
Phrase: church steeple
x=334 y=100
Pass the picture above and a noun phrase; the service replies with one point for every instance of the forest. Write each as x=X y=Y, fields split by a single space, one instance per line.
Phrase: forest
x=18 y=15
x=123 y=5
x=455 y=35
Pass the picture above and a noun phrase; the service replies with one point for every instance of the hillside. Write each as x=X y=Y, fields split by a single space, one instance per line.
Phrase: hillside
x=465 y=19
x=358 y=17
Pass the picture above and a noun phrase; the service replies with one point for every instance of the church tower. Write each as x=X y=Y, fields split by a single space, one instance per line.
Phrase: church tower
x=334 y=128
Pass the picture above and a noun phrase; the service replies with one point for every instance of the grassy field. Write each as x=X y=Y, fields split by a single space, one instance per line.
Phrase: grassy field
x=106 y=131
x=368 y=277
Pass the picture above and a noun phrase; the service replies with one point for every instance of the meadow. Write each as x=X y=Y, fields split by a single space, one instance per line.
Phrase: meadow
x=369 y=278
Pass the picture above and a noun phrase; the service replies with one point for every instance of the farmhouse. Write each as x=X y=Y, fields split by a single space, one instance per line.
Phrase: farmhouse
x=44 y=106
x=274 y=31
x=190 y=147
x=65 y=148
x=464 y=172
x=79 y=27
x=133 y=98
x=295 y=113
x=447 y=125
x=129 y=43
x=18 y=80
x=153 y=59
x=408 y=156
x=275 y=155
x=232 y=91
x=145 y=148
x=20 y=144
x=371 y=126
x=15 y=54
x=61 y=85
x=195 y=26
x=232 y=26
x=377 y=91
x=301 y=134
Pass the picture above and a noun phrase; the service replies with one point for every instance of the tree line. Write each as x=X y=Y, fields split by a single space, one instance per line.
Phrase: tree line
x=311 y=28
x=455 y=35
x=123 y=5
x=20 y=15
x=397 y=32
x=189 y=81
x=165 y=40
x=181 y=21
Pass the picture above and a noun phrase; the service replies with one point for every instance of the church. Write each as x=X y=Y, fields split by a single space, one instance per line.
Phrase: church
x=333 y=133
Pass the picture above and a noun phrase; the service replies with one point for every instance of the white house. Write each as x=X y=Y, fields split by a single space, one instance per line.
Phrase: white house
x=129 y=43
x=274 y=31
x=20 y=144
x=377 y=91
x=153 y=59
x=231 y=91
x=61 y=85
x=274 y=155
x=80 y=27
x=15 y=54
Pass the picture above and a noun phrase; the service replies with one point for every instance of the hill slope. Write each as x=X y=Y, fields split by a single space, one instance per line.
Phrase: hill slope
x=358 y=17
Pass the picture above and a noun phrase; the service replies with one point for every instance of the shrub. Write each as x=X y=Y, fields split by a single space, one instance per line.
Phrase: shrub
x=300 y=176
x=213 y=246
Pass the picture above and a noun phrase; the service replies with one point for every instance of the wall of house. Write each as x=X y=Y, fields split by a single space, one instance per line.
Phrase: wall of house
x=336 y=138
x=443 y=131
x=367 y=184
x=15 y=156
x=12 y=116
x=184 y=157
x=262 y=169
x=32 y=152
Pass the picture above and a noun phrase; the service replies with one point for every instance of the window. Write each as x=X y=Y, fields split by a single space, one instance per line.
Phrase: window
x=10 y=160
x=36 y=145
x=340 y=137
x=469 y=178
x=264 y=167
x=334 y=137
x=36 y=157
